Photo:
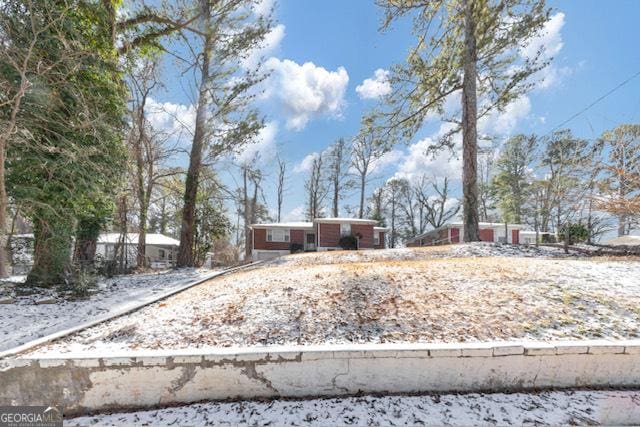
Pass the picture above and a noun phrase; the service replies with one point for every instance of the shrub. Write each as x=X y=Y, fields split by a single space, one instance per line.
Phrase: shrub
x=577 y=233
x=349 y=243
x=295 y=248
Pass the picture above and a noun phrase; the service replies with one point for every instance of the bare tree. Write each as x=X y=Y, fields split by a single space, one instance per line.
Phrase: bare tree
x=282 y=170
x=486 y=194
x=149 y=149
x=337 y=168
x=393 y=190
x=252 y=209
x=439 y=207
x=316 y=188
x=367 y=147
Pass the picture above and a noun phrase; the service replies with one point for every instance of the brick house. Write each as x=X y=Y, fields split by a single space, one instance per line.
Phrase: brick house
x=453 y=233
x=321 y=234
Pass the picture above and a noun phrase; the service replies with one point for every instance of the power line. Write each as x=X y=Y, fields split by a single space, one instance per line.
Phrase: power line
x=595 y=102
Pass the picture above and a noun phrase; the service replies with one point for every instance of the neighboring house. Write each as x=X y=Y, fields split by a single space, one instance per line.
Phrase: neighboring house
x=624 y=241
x=160 y=250
x=321 y=234
x=528 y=237
x=453 y=233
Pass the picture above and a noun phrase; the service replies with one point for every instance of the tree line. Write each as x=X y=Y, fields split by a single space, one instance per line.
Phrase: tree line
x=556 y=183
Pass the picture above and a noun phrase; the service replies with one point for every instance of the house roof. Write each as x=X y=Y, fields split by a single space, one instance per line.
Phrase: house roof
x=624 y=240
x=132 y=239
x=381 y=228
x=345 y=221
x=460 y=224
x=284 y=225
x=309 y=225
x=533 y=233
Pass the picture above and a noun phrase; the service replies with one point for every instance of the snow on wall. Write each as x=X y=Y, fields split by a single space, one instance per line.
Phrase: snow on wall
x=158 y=378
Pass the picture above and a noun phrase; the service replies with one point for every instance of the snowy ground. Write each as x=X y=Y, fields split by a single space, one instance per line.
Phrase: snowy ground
x=23 y=320
x=408 y=295
x=545 y=408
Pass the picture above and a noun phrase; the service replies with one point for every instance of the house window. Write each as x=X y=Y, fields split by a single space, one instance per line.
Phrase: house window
x=161 y=253
x=278 y=235
x=376 y=238
x=345 y=230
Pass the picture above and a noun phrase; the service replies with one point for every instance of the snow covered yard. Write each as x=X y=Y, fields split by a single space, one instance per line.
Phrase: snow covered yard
x=545 y=408
x=440 y=294
x=26 y=318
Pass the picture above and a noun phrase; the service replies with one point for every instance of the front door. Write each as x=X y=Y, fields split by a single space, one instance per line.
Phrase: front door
x=310 y=242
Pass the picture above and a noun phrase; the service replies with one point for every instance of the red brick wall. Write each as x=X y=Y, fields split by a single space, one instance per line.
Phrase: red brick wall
x=260 y=240
x=486 y=234
x=455 y=235
x=443 y=236
x=329 y=234
x=366 y=231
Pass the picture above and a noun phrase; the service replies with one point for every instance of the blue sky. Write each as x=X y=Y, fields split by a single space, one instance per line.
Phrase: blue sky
x=322 y=51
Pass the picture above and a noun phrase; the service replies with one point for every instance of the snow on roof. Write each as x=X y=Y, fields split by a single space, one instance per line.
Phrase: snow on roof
x=460 y=224
x=310 y=224
x=284 y=225
x=132 y=239
x=484 y=224
x=533 y=233
x=381 y=228
x=346 y=220
x=624 y=240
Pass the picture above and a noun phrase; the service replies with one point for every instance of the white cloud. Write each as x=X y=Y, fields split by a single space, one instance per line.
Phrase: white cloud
x=418 y=162
x=549 y=43
x=306 y=163
x=503 y=123
x=263 y=7
x=170 y=117
x=295 y=214
x=263 y=145
x=548 y=40
x=385 y=160
x=269 y=45
x=305 y=91
x=375 y=87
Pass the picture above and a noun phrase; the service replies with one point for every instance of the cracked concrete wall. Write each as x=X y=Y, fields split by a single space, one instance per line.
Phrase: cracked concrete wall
x=158 y=378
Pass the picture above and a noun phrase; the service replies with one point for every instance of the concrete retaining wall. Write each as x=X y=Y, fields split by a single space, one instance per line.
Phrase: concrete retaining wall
x=161 y=378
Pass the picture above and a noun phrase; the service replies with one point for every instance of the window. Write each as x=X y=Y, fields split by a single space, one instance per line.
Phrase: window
x=277 y=235
x=161 y=253
x=376 y=238
x=345 y=230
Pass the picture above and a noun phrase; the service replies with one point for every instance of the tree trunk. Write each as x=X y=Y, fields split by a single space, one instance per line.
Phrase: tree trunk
x=185 y=252
x=622 y=225
x=363 y=178
x=3 y=214
x=87 y=233
x=248 y=236
x=141 y=256
x=469 y=131
x=52 y=250
x=336 y=195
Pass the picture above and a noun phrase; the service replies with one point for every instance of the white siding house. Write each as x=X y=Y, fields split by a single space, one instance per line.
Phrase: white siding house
x=160 y=250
